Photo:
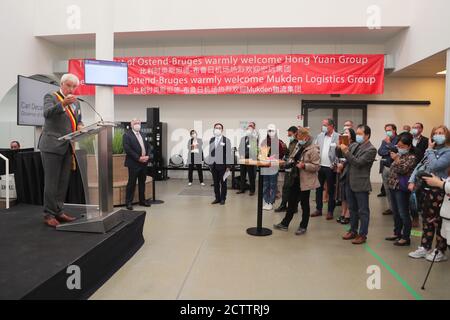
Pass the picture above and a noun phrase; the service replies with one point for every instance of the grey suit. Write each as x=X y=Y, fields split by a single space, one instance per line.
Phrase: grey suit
x=360 y=159
x=56 y=155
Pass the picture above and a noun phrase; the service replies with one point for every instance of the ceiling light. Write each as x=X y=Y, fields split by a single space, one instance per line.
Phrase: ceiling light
x=442 y=72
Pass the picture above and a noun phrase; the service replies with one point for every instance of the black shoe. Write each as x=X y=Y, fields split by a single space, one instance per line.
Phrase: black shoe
x=240 y=191
x=381 y=194
x=146 y=203
x=129 y=207
x=222 y=202
x=402 y=244
x=280 y=226
x=252 y=193
x=393 y=238
x=215 y=202
x=281 y=209
x=340 y=219
x=345 y=221
x=388 y=212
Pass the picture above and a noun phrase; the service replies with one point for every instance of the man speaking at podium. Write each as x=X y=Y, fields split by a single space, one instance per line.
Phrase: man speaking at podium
x=62 y=115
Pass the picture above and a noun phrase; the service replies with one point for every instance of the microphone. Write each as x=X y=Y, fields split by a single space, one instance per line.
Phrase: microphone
x=101 y=118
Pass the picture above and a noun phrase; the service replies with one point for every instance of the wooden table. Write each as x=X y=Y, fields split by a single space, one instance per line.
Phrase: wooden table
x=259 y=231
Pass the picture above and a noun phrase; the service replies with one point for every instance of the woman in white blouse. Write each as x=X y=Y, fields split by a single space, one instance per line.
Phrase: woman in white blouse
x=195 y=157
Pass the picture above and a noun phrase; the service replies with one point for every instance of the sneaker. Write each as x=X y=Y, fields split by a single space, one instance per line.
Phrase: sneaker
x=266 y=206
x=269 y=206
x=421 y=252
x=439 y=257
x=300 y=231
x=190 y=184
x=202 y=184
x=280 y=226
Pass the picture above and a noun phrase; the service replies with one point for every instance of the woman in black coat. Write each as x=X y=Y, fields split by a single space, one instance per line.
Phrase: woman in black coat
x=195 y=157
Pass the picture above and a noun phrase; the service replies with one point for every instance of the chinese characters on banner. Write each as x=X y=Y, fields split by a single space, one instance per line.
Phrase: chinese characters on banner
x=248 y=74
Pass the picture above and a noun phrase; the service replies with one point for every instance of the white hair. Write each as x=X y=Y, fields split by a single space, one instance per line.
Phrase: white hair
x=70 y=77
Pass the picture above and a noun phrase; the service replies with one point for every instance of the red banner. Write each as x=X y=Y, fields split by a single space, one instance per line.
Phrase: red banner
x=248 y=74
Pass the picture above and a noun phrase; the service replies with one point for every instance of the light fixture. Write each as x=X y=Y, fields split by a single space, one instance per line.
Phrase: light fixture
x=442 y=72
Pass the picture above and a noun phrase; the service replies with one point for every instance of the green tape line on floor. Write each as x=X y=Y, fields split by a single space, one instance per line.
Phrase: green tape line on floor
x=394 y=273
x=416 y=233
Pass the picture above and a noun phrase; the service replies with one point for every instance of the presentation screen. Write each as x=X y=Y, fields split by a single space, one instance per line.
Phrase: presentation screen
x=30 y=100
x=106 y=73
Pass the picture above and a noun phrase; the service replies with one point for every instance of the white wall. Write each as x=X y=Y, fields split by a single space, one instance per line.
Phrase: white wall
x=428 y=33
x=22 y=54
x=153 y=15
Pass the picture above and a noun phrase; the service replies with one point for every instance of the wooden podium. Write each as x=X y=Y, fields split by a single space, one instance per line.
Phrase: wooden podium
x=259 y=231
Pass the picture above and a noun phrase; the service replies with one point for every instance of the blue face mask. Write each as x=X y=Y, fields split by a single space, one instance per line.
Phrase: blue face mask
x=439 y=139
x=302 y=142
x=389 y=134
x=291 y=138
x=414 y=132
x=324 y=129
x=402 y=151
x=359 y=139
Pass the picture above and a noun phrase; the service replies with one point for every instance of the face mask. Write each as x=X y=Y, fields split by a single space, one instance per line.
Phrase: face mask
x=439 y=139
x=389 y=134
x=137 y=127
x=346 y=128
x=194 y=135
x=302 y=142
x=217 y=132
x=414 y=132
x=359 y=139
x=271 y=134
x=249 y=132
x=402 y=151
x=324 y=129
x=291 y=138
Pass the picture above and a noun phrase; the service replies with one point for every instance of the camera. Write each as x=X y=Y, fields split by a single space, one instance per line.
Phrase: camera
x=393 y=149
x=421 y=184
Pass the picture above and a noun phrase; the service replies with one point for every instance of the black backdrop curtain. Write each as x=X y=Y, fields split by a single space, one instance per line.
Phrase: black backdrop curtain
x=29 y=178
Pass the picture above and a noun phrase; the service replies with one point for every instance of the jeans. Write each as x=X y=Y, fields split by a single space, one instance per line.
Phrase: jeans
x=402 y=218
x=326 y=175
x=294 y=196
x=358 y=203
x=270 y=188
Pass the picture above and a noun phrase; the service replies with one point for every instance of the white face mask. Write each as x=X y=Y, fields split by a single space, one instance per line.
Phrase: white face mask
x=137 y=127
x=217 y=132
x=272 y=134
x=194 y=135
x=249 y=132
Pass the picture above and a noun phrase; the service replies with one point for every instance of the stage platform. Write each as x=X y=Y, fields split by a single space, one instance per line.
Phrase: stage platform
x=34 y=258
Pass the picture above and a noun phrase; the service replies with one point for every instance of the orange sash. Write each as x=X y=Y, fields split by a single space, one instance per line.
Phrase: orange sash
x=73 y=123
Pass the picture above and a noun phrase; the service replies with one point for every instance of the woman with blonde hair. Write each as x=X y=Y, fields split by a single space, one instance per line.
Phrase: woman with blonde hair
x=436 y=161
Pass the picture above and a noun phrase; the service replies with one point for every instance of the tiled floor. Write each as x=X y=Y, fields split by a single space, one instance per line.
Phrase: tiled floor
x=194 y=250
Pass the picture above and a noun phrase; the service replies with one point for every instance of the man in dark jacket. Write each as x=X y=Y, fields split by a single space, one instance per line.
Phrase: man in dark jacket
x=137 y=152
x=420 y=142
x=248 y=149
x=219 y=160
x=388 y=144
x=292 y=134
x=360 y=158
